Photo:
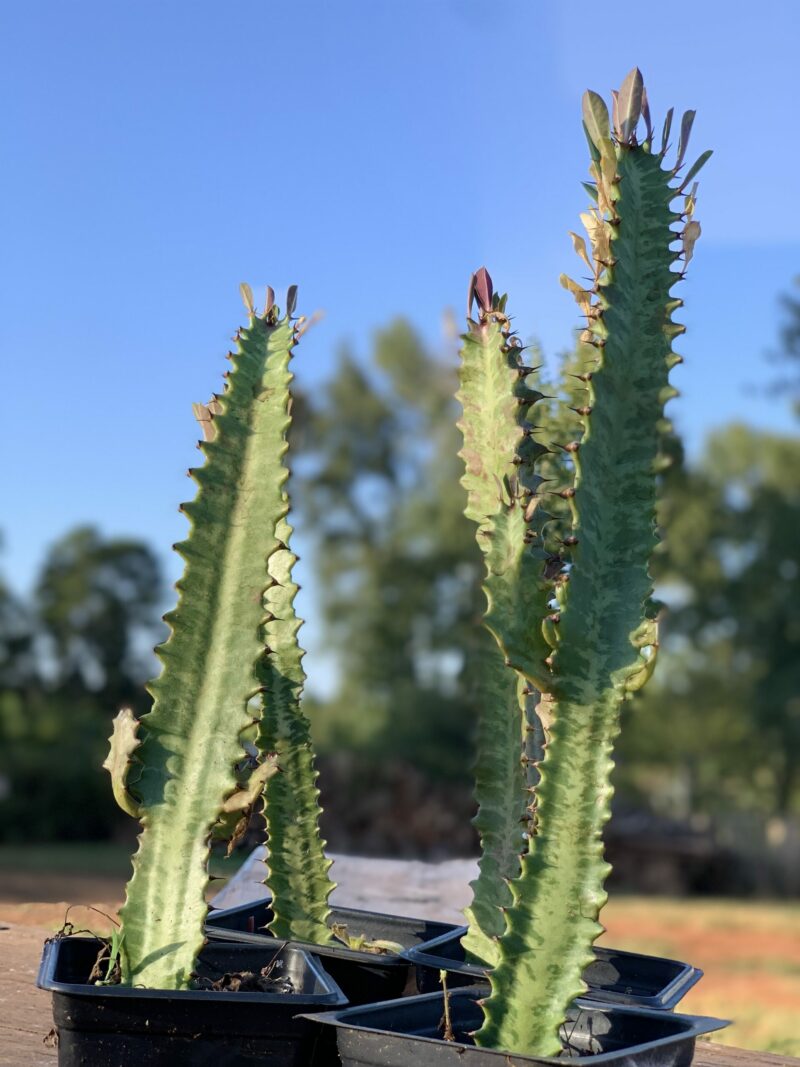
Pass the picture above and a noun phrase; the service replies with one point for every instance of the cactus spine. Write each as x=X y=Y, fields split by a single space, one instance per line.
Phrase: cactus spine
x=177 y=768
x=603 y=635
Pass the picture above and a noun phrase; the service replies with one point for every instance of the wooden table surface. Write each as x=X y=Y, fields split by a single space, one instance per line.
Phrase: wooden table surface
x=25 y=1018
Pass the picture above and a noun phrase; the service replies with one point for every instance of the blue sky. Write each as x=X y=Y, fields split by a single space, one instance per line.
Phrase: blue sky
x=373 y=151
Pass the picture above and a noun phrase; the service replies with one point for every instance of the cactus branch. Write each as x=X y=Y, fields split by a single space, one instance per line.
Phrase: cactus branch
x=298 y=868
x=192 y=737
x=123 y=743
x=606 y=640
x=499 y=453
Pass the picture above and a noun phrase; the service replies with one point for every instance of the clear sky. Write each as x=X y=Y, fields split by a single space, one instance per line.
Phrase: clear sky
x=373 y=151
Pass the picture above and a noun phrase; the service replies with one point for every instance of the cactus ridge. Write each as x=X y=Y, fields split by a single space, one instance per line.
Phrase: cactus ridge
x=298 y=868
x=606 y=634
x=500 y=452
x=183 y=771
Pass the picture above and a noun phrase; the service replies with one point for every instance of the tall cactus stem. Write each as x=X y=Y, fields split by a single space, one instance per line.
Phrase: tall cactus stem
x=184 y=770
x=499 y=453
x=606 y=639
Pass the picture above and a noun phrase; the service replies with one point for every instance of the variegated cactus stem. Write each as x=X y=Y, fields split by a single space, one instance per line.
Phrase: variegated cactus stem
x=605 y=638
x=299 y=878
x=179 y=768
x=500 y=451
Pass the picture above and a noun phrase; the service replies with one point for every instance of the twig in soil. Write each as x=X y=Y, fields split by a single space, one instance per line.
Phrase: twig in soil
x=445 y=1022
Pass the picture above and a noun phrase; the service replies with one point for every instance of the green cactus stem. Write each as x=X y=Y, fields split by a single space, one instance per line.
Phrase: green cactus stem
x=298 y=868
x=180 y=774
x=499 y=452
x=606 y=637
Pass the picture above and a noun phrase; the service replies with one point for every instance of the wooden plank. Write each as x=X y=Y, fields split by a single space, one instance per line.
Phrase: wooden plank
x=25 y=1012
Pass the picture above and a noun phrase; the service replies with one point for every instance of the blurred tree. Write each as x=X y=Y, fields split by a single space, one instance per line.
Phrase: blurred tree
x=67 y=662
x=96 y=602
x=17 y=660
x=720 y=726
x=397 y=561
x=790 y=346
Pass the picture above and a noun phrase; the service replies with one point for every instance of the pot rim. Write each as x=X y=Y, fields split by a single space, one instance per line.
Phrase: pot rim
x=45 y=979
x=693 y=1026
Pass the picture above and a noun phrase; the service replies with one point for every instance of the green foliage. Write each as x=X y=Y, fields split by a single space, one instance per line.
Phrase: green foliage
x=604 y=637
x=732 y=644
x=396 y=561
x=66 y=654
x=181 y=769
x=96 y=601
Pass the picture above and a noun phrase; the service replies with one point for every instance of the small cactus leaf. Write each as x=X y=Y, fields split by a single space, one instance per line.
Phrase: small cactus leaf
x=291 y=300
x=123 y=743
x=591 y=190
x=244 y=798
x=204 y=414
x=269 y=300
x=593 y=152
x=683 y=141
x=583 y=297
x=646 y=115
x=599 y=237
x=691 y=234
x=500 y=455
x=579 y=244
x=666 y=132
x=630 y=105
x=191 y=743
x=696 y=167
x=608 y=166
x=639 y=680
x=595 y=117
x=605 y=612
x=247 y=298
x=482 y=290
x=615 y=113
x=690 y=201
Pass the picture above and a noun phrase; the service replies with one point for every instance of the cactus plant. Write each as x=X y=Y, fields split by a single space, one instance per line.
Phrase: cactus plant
x=584 y=634
x=231 y=666
x=499 y=454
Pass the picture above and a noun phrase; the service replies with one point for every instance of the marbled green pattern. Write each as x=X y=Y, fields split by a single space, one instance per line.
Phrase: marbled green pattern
x=604 y=611
x=298 y=868
x=499 y=453
x=191 y=739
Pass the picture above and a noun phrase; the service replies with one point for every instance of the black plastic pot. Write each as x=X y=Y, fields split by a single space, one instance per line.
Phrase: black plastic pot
x=116 y=1026
x=363 y=977
x=614 y=977
x=408 y=1033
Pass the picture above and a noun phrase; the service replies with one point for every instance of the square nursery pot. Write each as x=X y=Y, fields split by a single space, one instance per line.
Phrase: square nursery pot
x=614 y=977
x=120 y=1026
x=408 y=1033
x=364 y=977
